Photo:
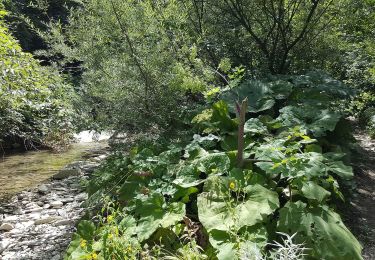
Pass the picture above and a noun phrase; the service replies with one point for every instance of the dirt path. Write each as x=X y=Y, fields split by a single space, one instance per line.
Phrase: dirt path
x=360 y=217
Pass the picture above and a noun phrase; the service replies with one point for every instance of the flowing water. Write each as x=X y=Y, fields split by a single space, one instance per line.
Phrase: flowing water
x=25 y=170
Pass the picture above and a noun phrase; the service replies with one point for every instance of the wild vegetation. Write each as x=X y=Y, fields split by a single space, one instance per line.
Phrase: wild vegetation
x=243 y=110
x=208 y=199
x=34 y=107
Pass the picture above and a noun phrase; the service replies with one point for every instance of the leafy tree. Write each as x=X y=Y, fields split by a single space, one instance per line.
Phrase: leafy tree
x=144 y=56
x=28 y=18
x=34 y=104
x=275 y=27
x=356 y=64
x=138 y=61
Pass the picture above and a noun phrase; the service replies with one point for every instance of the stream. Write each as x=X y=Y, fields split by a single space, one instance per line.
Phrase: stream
x=41 y=197
x=25 y=170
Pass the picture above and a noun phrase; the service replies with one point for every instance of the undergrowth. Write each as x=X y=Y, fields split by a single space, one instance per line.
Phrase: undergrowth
x=196 y=201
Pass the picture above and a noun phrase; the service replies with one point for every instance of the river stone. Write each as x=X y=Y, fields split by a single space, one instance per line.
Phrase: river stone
x=103 y=156
x=28 y=223
x=56 y=204
x=43 y=189
x=10 y=219
x=46 y=220
x=55 y=257
x=35 y=210
x=32 y=243
x=74 y=165
x=19 y=225
x=6 y=227
x=64 y=222
x=90 y=168
x=31 y=205
x=3 y=245
x=34 y=216
x=81 y=197
x=67 y=200
x=62 y=213
x=65 y=173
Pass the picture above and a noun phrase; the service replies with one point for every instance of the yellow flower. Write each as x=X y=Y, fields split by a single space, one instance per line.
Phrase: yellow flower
x=94 y=256
x=110 y=218
x=83 y=243
x=110 y=236
x=232 y=185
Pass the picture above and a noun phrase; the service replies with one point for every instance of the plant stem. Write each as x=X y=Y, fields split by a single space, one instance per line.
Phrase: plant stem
x=241 y=126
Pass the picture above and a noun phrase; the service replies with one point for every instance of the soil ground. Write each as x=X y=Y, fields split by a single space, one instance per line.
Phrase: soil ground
x=360 y=213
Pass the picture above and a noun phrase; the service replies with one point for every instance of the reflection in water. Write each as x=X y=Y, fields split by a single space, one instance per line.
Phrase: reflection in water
x=25 y=170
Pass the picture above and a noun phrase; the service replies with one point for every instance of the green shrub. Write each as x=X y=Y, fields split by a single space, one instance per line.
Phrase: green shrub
x=34 y=107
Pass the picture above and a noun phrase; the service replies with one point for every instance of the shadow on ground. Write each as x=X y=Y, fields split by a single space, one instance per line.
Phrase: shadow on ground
x=359 y=211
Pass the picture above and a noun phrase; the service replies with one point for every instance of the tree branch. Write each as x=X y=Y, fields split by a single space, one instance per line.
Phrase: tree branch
x=134 y=55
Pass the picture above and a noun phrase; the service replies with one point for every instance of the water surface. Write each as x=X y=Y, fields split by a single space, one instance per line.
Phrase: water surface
x=25 y=170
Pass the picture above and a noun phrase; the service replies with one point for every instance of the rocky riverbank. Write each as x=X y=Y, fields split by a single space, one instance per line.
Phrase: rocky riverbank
x=38 y=223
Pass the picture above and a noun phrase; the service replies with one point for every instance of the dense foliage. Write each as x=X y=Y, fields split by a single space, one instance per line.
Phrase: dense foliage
x=138 y=60
x=255 y=173
x=29 y=18
x=195 y=201
x=34 y=108
x=356 y=58
x=151 y=56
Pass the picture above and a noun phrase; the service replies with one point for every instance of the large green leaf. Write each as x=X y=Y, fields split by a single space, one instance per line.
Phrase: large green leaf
x=172 y=155
x=187 y=176
x=86 y=229
x=193 y=151
x=255 y=126
x=303 y=167
x=246 y=243
x=206 y=142
x=308 y=165
x=189 y=173
x=281 y=89
x=311 y=118
x=321 y=230
x=128 y=225
x=259 y=95
x=184 y=193
x=230 y=142
x=221 y=118
x=313 y=191
x=214 y=161
x=75 y=251
x=128 y=190
x=153 y=212
x=218 y=210
x=143 y=154
x=342 y=170
x=273 y=150
x=323 y=84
